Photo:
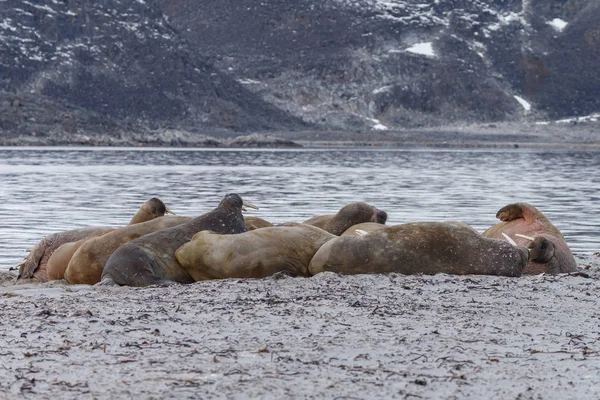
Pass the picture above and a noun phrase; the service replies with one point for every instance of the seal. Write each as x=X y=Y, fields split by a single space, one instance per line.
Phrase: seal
x=150 y=260
x=527 y=226
x=59 y=259
x=151 y=209
x=254 y=254
x=351 y=214
x=34 y=266
x=87 y=263
x=253 y=223
x=421 y=247
x=363 y=229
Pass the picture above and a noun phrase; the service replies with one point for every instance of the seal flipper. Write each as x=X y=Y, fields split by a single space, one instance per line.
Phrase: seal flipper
x=107 y=282
x=32 y=262
x=510 y=212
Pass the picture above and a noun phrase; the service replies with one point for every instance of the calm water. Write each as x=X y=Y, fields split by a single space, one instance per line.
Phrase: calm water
x=44 y=190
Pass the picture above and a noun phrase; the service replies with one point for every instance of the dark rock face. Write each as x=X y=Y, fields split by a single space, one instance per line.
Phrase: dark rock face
x=123 y=70
x=124 y=63
x=351 y=64
x=569 y=78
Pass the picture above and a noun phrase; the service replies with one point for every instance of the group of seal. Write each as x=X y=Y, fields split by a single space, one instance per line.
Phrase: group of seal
x=162 y=250
x=42 y=256
x=150 y=259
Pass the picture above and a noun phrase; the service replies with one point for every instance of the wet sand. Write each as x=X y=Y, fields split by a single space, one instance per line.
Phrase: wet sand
x=329 y=336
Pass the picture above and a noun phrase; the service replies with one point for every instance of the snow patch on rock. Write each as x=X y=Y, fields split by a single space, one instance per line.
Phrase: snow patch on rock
x=425 y=49
x=248 y=81
x=526 y=105
x=558 y=24
x=587 y=118
x=378 y=125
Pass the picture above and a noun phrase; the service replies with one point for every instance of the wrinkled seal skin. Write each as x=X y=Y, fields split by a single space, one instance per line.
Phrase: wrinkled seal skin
x=253 y=223
x=87 y=263
x=35 y=264
x=549 y=251
x=150 y=260
x=60 y=258
x=351 y=214
x=254 y=254
x=421 y=247
x=365 y=227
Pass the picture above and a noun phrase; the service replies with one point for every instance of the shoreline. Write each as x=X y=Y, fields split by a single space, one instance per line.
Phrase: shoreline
x=577 y=136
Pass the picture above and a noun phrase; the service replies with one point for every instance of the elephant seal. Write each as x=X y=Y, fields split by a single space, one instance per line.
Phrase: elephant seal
x=351 y=214
x=86 y=264
x=527 y=226
x=362 y=229
x=59 y=259
x=253 y=223
x=254 y=254
x=421 y=247
x=150 y=260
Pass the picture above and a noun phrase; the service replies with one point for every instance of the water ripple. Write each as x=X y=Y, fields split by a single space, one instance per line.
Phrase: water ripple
x=45 y=190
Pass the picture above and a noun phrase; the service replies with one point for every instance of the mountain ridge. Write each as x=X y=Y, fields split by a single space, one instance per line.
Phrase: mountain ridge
x=133 y=68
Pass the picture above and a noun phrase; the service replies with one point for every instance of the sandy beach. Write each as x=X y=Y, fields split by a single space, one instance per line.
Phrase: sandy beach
x=329 y=336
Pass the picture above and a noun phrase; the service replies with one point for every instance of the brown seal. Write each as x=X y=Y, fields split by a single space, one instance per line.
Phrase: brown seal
x=421 y=247
x=363 y=229
x=87 y=263
x=59 y=259
x=254 y=254
x=549 y=250
x=34 y=267
x=253 y=223
x=351 y=214
x=151 y=209
x=150 y=260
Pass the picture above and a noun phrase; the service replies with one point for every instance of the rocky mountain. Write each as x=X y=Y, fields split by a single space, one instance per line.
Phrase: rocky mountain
x=171 y=71
x=116 y=67
x=377 y=64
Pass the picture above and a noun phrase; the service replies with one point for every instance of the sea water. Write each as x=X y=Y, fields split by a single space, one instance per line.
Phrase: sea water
x=48 y=189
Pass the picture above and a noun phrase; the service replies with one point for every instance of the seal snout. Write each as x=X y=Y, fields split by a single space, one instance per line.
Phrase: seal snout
x=542 y=249
x=379 y=216
x=235 y=200
x=157 y=207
